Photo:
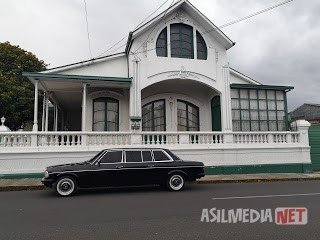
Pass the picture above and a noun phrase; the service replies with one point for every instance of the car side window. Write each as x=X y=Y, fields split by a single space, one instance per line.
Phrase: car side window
x=147 y=157
x=160 y=156
x=133 y=156
x=112 y=157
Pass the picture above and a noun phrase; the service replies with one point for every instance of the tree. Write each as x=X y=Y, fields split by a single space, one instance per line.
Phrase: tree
x=16 y=91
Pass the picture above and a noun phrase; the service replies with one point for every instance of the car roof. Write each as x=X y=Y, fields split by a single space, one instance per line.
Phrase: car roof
x=137 y=148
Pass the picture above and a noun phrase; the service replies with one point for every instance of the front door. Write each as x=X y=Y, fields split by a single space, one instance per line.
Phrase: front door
x=216 y=113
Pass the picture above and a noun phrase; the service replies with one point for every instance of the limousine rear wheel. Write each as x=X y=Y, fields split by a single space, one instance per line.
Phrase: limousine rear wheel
x=175 y=182
x=66 y=186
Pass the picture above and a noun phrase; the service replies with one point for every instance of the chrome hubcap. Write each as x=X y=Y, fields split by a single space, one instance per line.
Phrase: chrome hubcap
x=176 y=182
x=65 y=186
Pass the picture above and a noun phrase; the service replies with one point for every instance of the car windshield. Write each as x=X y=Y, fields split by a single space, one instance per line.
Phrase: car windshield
x=95 y=157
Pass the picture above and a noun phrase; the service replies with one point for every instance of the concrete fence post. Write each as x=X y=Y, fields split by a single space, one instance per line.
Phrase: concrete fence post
x=302 y=128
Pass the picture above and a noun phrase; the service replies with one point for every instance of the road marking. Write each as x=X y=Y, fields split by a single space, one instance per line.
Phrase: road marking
x=268 y=196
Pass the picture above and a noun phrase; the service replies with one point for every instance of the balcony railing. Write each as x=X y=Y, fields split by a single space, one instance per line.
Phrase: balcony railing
x=44 y=140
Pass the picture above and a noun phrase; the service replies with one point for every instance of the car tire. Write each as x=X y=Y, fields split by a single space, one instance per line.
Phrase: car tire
x=65 y=186
x=175 y=182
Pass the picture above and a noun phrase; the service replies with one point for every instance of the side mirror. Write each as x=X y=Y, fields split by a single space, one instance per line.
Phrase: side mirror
x=99 y=163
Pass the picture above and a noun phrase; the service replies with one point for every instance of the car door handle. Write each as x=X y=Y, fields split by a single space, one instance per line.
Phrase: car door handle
x=150 y=166
x=118 y=167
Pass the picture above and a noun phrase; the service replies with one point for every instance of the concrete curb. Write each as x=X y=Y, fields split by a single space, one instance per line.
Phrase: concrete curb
x=253 y=180
x=205 y=181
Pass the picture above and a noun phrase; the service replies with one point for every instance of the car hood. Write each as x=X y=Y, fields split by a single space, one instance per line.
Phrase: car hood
x=67 y=166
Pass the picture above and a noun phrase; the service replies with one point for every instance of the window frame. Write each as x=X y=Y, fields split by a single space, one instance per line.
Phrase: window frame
x=165 y=153
x=187 y=114
x=180 y=34
x=165 y=32
x=98 y=161
x=266 y=109
x=201 y=38
x=153 y=126
x=106 y=113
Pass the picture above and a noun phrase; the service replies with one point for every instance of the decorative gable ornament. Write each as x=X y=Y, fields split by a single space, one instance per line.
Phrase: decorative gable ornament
x=183 y=74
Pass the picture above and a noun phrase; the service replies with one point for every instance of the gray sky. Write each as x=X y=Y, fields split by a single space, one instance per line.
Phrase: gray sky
x=278 y=47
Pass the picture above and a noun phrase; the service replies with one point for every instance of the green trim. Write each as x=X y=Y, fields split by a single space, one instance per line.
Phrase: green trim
x=262 y=168
x=21 y=175
x=76 y=77
x=286 y=110
x=253 y=86
x=135 y=118
x=129 y=43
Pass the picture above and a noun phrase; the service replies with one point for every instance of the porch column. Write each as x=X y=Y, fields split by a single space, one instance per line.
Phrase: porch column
x=35 y=113
x=84 y=107
x=43 y=111
x=135 y=97
x=47 y=112
x=56 y=117
x=226 y=101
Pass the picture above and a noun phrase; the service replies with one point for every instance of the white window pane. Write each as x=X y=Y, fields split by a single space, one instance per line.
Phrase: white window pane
x=254 y=126
x=244 y=93
x=245 y=115
x=272 y=125
x=235 y=104
x=263 y=126
x=271 y=105
x=253 y=104
x=272 y=115
x=281 y=116
x=234 y=93
x=245 y=126
x=280 y=95
x=235 y=114
x=262 y=104
x=254 y=115
x=253 y=94
x=262 y=94
x=98 y=106
x=281 y=126
x=263 y=115
x=280 y=105
x=271 y=94
x=98 y=126
x=244 y=104
x=99 y=116
x=236 y=125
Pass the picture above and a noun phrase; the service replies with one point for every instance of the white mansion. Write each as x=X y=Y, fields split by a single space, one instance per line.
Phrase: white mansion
x=172 y=88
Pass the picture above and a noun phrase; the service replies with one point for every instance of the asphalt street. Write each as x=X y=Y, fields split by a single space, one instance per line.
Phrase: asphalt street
x=154 y=213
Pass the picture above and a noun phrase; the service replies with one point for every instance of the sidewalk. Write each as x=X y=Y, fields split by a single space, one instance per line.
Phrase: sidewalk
x=35 y=183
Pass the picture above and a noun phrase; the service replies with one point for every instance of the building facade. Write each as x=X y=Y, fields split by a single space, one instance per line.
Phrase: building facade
x=171 y=87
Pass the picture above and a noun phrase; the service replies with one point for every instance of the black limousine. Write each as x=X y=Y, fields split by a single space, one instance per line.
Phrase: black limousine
x=124 y=167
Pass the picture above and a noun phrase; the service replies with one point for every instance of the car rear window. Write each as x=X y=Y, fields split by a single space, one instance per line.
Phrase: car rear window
x=133 y=156
x=147 y=157
x=112 y=157
x=160 y=156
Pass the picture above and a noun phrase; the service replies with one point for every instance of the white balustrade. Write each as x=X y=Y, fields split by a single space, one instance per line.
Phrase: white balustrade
x=159 y=138
x=114 y=139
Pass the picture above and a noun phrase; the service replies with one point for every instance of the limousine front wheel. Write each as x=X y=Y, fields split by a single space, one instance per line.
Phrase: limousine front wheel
x=175 y=182
x=66 y=186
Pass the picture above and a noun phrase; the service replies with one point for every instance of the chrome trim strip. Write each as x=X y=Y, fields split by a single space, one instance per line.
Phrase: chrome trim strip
x=97 y=170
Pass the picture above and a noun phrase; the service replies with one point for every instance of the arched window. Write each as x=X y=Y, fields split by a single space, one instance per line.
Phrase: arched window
x=181 y=40
x=154 y=116
x=105 y=114
x=161 y=44
x=188 y=116
x=201 y=47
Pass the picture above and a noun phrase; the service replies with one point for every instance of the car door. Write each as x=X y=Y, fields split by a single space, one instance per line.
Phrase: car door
x=138 y=171
x=108 y=169
x=163 y=164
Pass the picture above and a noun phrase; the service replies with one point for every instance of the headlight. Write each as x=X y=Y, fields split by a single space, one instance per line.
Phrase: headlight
x=46 y=174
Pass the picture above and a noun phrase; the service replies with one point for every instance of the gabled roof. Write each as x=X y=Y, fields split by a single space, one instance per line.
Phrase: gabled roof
x=244 y=77
x=190 y=9
x=307 y=111
x=85 y=62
